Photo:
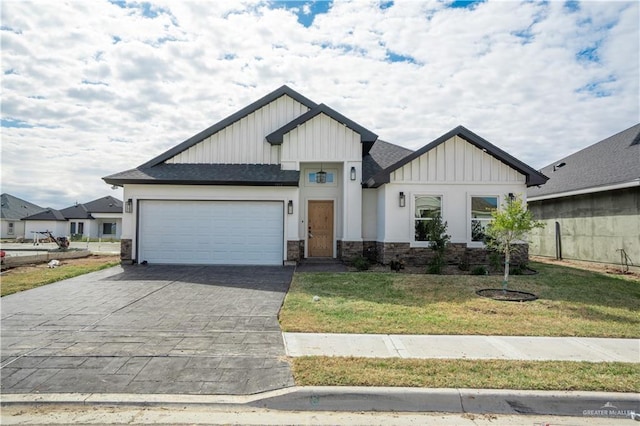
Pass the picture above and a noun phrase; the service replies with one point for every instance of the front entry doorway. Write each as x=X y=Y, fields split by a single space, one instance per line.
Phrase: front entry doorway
x=320 y=231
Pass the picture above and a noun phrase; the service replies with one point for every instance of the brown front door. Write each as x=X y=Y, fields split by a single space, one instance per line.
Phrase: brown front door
x=320 y=238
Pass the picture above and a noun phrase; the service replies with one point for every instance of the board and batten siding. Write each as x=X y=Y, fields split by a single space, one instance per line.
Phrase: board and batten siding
x=243 y=142
x=456 y=161
x=321 y=139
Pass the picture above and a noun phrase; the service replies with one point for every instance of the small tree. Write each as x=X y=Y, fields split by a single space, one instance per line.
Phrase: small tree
x=510 y=224
x=436 y=233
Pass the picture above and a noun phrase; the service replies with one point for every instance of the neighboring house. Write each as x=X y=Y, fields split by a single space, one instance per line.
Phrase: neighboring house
x=594 y=197
x=13 y=210
x=285 y=179
x=100 y=218
x=49 y=220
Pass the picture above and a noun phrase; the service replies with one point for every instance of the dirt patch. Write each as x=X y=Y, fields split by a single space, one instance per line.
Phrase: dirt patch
x=93 y=260
x=603 y=268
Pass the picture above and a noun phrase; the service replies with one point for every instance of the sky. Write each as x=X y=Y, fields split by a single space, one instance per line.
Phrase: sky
x=94 y=87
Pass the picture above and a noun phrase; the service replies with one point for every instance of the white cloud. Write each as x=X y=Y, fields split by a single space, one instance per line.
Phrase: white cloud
x=107 y=88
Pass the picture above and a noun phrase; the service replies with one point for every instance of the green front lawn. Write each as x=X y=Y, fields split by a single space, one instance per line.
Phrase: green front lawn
x=571 y=302
x=459 y=373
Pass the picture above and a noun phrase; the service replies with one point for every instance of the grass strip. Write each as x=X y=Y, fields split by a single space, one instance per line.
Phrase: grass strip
x=25 y=278
x=477 y=374
x=571 y=302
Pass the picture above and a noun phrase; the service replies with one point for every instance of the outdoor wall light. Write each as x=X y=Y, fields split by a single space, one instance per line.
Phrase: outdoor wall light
x=511 y=196
x=321 y=176
x=402 y=201
x=290 y=207
x=353 y=173
x=128 y=206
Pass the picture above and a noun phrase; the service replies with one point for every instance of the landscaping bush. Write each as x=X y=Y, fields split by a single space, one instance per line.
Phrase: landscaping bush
x=435 y=265
x=518 y=269
x=438 y=239
x=479 y=270
x=464 y=263
x=360 y=263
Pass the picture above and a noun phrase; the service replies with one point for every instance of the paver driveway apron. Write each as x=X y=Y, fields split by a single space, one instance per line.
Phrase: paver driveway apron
x=149 y=329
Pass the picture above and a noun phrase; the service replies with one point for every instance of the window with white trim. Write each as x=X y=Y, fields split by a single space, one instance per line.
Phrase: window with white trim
x=481 y=209
x=11 y=228
x=427 y=208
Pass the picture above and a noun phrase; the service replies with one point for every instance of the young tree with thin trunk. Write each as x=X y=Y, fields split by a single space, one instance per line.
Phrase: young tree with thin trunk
x=511 y=224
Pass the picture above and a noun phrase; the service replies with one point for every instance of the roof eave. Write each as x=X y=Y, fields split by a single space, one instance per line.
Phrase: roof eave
x=122 y=182
x=594 y=189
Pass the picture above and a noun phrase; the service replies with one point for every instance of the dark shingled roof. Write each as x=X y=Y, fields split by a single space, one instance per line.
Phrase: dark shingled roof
x=14 y=208
x=379 y=158
x=106 y=204
x=78 y=211
x=48 y=214
x=533 y=177
x=208 y=174
x=382 y=155
x=614 y=160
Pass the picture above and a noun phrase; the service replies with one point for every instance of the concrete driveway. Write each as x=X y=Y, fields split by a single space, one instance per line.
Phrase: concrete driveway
x=148 y=329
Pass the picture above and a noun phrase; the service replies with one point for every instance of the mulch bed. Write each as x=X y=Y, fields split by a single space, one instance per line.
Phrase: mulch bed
x=506 y=295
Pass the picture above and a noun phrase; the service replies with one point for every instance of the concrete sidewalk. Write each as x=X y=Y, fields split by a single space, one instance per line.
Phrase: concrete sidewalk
x=464 y=347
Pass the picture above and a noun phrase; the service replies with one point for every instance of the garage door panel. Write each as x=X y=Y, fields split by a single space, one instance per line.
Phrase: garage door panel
x=211 y=232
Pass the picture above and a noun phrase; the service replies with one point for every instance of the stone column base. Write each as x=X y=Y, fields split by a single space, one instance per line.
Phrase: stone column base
x=295 y=251
x=348 y=250
x=126 y=249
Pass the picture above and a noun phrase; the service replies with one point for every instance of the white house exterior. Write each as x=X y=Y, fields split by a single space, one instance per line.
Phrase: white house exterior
x=49 y=220
x=286 y=179
x=14 y=209
x=100 y=218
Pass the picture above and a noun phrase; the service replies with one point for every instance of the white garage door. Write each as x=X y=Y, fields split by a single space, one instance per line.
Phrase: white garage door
x=211 y=232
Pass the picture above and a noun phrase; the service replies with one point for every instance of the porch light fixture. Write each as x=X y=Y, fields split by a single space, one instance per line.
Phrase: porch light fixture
x=290 y=207
x=402 y=200
x=128 y=206
x=321 y=176
x=511 y=196
x=353 y=173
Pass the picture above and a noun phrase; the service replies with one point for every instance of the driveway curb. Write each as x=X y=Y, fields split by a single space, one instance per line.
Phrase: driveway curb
x=476 y=401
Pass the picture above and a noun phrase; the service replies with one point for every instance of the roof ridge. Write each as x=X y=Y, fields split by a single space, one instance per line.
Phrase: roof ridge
x=608 y=139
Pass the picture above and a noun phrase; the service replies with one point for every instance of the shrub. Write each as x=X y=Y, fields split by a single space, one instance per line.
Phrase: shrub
x=464 y=263
x=479 y=270
x=360 y=263
x=495 y=260
x=518 y=269
x=438 y=239
x=436 y=264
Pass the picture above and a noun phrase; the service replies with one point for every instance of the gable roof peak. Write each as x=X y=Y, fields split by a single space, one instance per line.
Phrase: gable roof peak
x=279 y=92
x=533 y=177
x=366 y=136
